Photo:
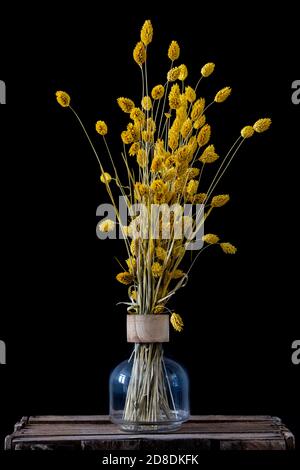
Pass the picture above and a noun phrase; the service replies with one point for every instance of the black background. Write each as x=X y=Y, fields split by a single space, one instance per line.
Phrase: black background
x=63 y=330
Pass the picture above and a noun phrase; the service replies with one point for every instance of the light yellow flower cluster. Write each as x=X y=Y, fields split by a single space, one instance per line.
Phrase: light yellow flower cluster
x=168 y=142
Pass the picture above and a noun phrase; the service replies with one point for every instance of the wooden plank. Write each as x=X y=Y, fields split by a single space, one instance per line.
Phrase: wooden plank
x=188 y=428
x=105 y=418
x=201 y=432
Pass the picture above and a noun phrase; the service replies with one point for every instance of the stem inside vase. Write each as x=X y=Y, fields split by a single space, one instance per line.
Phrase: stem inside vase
x=149 y=395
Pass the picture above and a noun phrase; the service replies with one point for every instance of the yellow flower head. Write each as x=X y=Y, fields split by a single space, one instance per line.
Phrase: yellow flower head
x=173 y=139
x=158 y=186
x=198 y=108
x=199 y=198
x=157 y=164
x=139 y=53
x=174 y=97
x=228 y=248
x=183 y=72
x=190 y=94
x=177 y=274
x=105 y=178
x=106 y=226
x=134 y=247
x=142 y=158
x=204 y=135
x=131 y=263
x=161 y=253
x=63 y=98
x=200 y=122
x=186 y=128
x=140 y=190
x=219 y=201
x=192 y=187
x=127 y=137
x=222 y=95
x=176 y=322
x=147 y=32
x=125 y=278
x=147 y=103
x=157 y=269
x=262 y=125
x=173 y=74
x=138 y=115
x=247 y=132
x=125 y=104
x=135 y=147
x=207 y=69
x=101 y=127
x=174 y=51
x=210 y=238
x=157 y=92
x=209 y=155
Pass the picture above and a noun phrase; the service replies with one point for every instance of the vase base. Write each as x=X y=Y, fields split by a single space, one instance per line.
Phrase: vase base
x=148 y=427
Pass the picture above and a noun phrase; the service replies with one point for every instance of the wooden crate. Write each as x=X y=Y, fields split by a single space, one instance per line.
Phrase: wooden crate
x=199 y=433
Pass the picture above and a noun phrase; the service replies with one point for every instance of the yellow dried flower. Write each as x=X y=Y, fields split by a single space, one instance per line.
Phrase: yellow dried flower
x=209 y=155
x=127 y=137
x=147 y=103
x=157 y=269
x=158 y=186
x=170 y=174
x=157 y=92
x=157 y=164
x=161 y=253
x=190 y=94
x=174 y=51
x=125 y=104
x=199 y=198
x=192 y=187
x=219 y=201
x=105 y=178
x=63 y=98
x=168 y=115
x=140 y=190
x=174 y=97
x=101 y=127
x=200 y=122
x=134 y=247
x=131 y=263
x=125 y=278
x=192 y=173
x=147 y=32
x=186 y=128
x=262 y=125
x=142 y=158
x=176 y=322
x=210 y=238
x=198 y=108
x=177 y=274
x=204 y=135
x=139 y=53
x=138 y=115
x=173 y=139
x=193 y=146
x=183 y=72
x=207 y=69
x=228 y=248
x=173 y=74
x=222 y=95
x=158 y=309
x=150 y=125
x=147 y=136
x=106 y=226
x=247 y=132
x=135 y=147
